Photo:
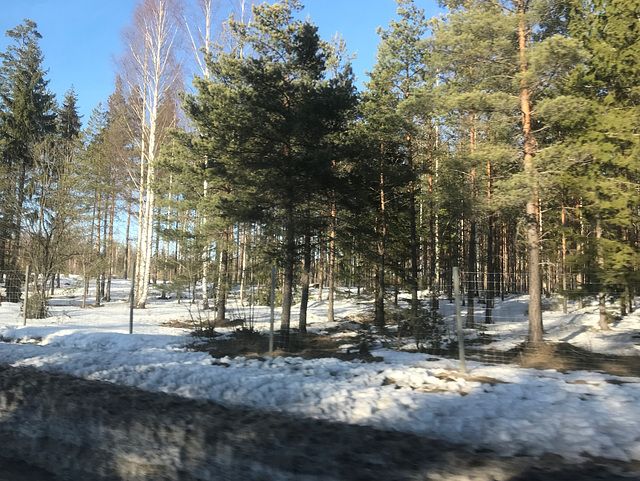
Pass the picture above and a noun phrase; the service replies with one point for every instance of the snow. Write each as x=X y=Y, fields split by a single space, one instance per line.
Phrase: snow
x=521 y=411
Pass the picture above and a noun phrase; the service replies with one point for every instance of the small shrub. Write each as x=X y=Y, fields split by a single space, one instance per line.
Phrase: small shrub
x=429 y=330
x=262 y=297
x=37 y=306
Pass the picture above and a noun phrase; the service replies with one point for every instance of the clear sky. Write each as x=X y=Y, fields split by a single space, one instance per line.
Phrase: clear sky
x=81 y=38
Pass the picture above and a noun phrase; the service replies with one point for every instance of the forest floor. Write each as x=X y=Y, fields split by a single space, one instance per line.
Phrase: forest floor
x=577 y=398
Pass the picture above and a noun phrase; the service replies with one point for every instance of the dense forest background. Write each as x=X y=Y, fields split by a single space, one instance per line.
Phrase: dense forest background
x=501 y=138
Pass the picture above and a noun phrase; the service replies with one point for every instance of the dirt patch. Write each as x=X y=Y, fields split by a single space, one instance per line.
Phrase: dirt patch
x=454 y=376
x=253 y=344
x=179 y=324
x=566 y=357
x=31 y=340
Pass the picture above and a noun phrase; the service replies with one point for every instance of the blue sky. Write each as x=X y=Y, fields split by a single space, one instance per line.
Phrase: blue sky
x=81 y=38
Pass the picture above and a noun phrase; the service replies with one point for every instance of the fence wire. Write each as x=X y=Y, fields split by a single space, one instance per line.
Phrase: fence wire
x=494 y=319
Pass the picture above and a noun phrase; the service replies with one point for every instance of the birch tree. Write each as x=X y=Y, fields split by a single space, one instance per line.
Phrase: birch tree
x=151 y=70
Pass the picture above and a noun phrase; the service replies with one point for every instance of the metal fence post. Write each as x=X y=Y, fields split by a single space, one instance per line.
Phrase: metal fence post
x=132 y=297
x=456 y=289
x=26 y=295
x=273 y=305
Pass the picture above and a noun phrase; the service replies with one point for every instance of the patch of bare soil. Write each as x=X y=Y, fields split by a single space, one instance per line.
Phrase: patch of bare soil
x=179 y=324
x=252 y=344
x=454 y=376
x=567 y=357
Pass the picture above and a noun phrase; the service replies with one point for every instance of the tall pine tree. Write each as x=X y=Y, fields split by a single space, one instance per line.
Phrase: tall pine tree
x=272 y=116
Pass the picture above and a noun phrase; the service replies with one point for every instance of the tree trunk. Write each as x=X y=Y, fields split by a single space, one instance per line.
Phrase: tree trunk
x=471 y=279
x=243 y=266
x=223 y=278
x=382 y=242
x=85 y=290
x=320 y=267
x=490 y=293
x=580 y=249
x=602 y=299
x=126 y=243
x=564 y=261
x=306 y=277
x=111 y=252
x=146 y=246
x=413 y=281
x=287 y=287
x=98 y=248
x=533 y=240
x=332 y=262
x=205 y=257
x=491 y=265
x=473 y=261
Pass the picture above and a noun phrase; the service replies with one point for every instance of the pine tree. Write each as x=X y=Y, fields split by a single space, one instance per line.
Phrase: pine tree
x=382 y=173
x=402 y=62
x=472 y=48
x=272 y=116
x=535 y=53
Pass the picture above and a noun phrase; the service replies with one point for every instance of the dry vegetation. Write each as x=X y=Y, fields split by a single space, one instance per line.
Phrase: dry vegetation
x=247 y=342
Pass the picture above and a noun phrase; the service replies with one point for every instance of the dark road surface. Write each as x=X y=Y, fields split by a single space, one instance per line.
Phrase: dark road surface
x=111 y=432
x=17 y=471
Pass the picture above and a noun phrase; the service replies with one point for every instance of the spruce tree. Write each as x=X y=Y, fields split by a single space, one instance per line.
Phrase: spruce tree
x=605 y=144
x=68 y=118
x=26 y=118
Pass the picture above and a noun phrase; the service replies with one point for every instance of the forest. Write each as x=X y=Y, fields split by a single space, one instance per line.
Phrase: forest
x=501 y=138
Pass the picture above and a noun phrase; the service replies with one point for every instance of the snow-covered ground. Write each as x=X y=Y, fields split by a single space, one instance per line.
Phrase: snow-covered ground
x=504 y=408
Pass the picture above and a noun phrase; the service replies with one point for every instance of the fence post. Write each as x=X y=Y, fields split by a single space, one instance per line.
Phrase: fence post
x=26 y=295
x=456 y=289
x=273 y=305
x=132 y=297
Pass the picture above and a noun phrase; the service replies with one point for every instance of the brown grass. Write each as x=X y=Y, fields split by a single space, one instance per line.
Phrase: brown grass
x=566 y=357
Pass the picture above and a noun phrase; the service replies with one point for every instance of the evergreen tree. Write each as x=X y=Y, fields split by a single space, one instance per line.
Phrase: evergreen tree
x=68 y=118
x=473 y=52
x=402 y=67
x=26 y=118
x=272 y=116
x=534 y=53
x=605 y=146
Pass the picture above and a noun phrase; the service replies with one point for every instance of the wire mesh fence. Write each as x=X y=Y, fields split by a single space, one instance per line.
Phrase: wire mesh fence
x=14 y=292
x=496 y=324
x=494 y=320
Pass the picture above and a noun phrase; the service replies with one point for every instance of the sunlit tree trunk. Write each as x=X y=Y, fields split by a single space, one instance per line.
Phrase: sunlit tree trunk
x=151 y=71
x=382 y=243
x=332 y=261
x=532 y=233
